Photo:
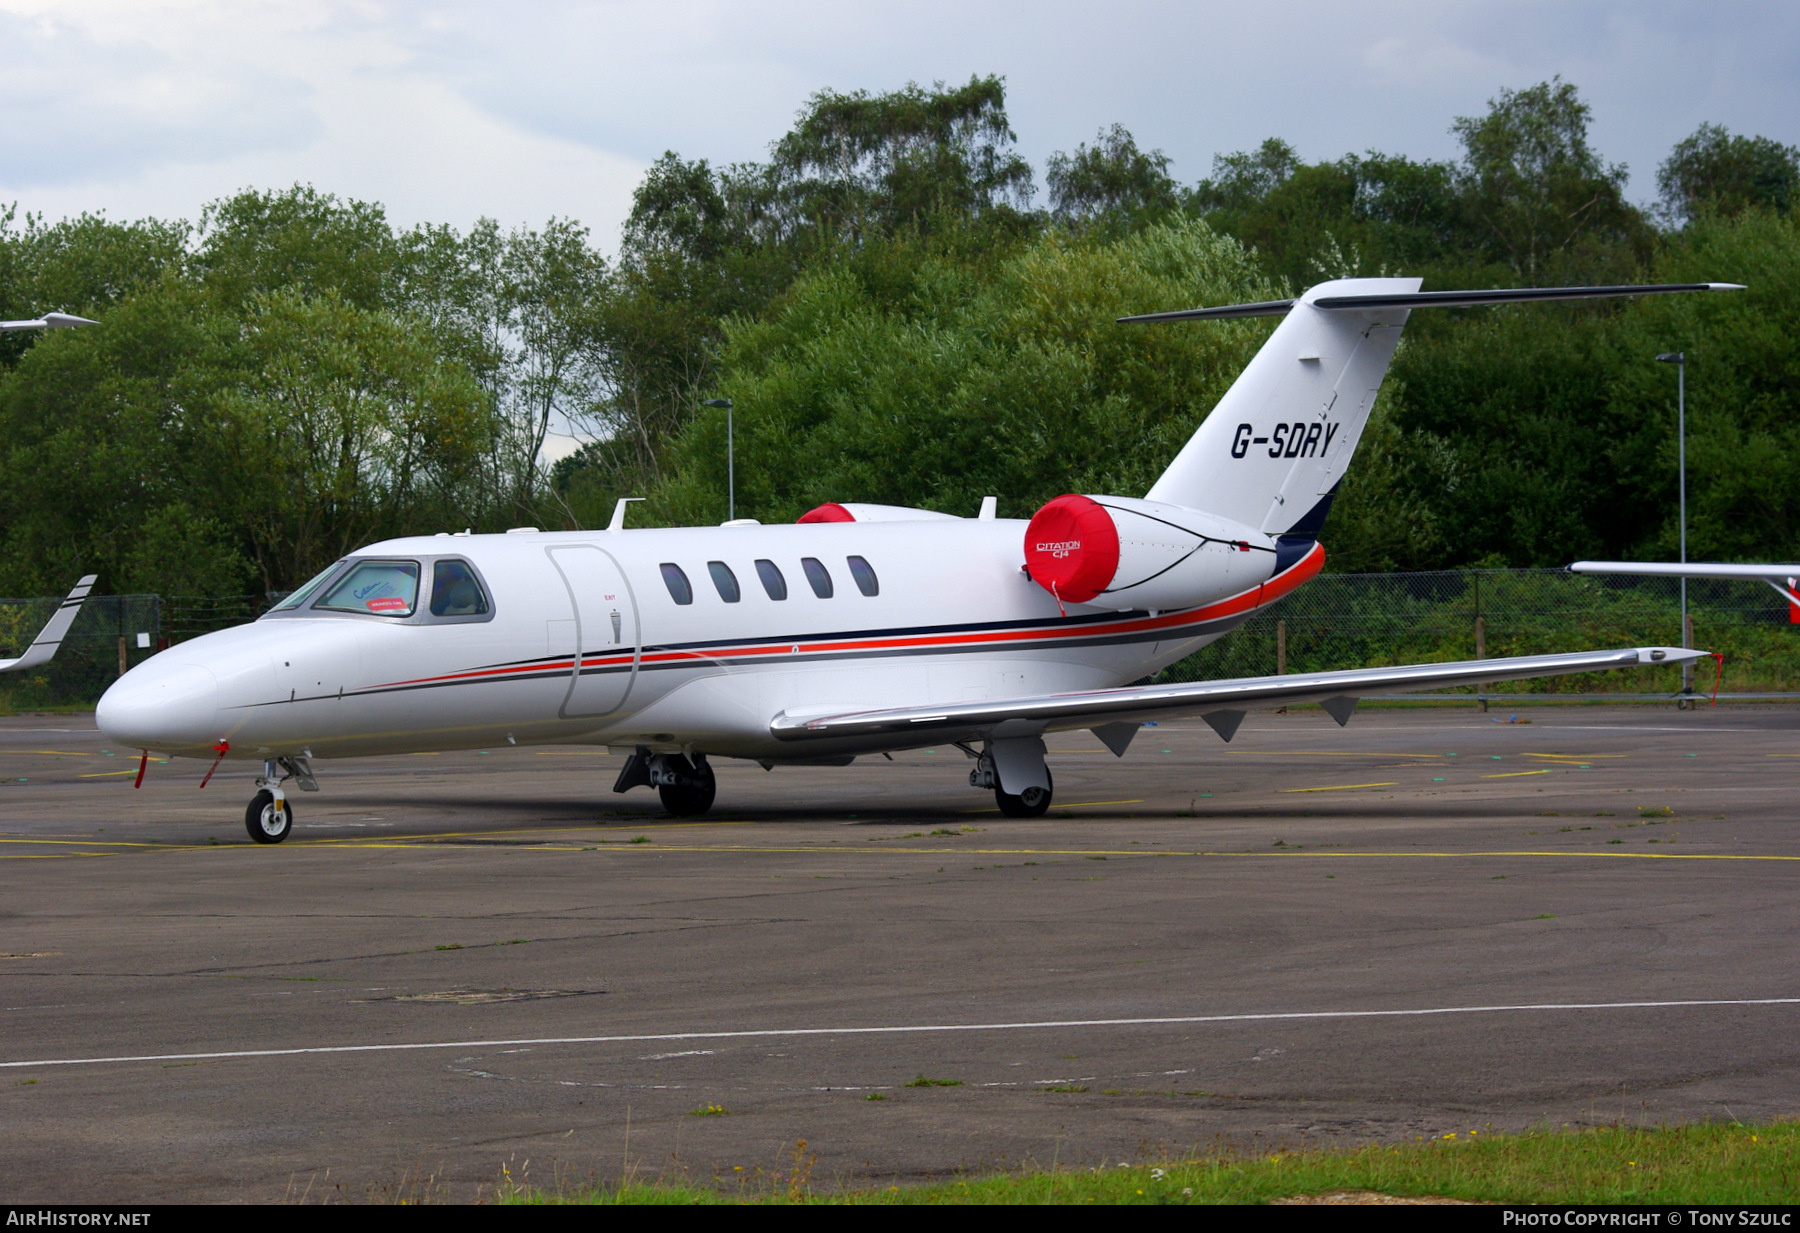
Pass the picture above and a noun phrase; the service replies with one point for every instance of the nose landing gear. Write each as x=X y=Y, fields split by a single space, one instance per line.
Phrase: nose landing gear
x=270 y=817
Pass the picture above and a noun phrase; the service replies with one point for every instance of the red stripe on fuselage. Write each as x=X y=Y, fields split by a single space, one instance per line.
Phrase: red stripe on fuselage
x=1259 y=596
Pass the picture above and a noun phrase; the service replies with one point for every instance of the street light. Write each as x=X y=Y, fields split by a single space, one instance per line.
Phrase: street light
x=1679 y=359
x=49 y=321
x=731 y=460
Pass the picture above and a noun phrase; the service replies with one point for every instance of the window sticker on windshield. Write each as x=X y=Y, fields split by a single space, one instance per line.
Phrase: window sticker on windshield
x=386 y=588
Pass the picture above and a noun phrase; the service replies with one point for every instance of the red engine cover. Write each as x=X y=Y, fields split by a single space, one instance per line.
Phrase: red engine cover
x=831 y=511
x=1072 y=548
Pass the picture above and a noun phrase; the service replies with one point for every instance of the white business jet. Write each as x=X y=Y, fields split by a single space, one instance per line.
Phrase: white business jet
x=861 y=629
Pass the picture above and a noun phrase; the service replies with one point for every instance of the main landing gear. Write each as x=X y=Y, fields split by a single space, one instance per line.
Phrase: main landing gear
x=1018 y=763
x=687 y=787
x=270 y=816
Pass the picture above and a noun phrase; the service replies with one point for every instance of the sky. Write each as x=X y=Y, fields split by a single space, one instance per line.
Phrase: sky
x=449 y=112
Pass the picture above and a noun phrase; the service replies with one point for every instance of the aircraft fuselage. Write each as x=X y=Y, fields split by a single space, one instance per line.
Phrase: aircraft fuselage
x=951 y=618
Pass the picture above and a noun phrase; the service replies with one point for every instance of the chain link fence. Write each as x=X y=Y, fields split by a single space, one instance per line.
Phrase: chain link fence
x=1334 y=621
x=1376 y=620
x=111 y=634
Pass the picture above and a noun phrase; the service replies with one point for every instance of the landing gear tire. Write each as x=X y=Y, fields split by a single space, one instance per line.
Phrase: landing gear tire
x=1031 y=803
x=267 y=819
x=693 y=796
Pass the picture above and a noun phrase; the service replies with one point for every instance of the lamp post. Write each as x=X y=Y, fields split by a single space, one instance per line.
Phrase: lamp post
x=1679 y=359
x=731 y=460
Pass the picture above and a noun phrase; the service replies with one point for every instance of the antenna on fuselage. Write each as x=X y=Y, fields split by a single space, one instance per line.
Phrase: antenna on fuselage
x=618 y=518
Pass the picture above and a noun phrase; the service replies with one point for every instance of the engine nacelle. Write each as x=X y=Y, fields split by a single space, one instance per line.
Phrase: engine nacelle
x=852 y=511
x=1126 y=553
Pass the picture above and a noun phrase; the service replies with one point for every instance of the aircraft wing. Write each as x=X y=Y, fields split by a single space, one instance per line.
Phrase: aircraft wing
x=1222 y=704
x=1776 y=575
x=50 y=637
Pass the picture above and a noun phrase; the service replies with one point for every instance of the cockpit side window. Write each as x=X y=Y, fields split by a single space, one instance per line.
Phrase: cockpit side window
x=455 y=591
x=384 y=588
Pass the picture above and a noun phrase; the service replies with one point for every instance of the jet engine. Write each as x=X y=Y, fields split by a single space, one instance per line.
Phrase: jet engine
x=1128 y=553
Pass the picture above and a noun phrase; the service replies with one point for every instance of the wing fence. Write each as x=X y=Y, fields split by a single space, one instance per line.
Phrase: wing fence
x=1335 y=621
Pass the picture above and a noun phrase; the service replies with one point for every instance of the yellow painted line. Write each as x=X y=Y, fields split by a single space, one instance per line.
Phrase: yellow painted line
x=573 y=753
x=1070 y=805
x=60 y=753
x=885 y=850
x=107 y=843
x=1515 y=774
x=1342 y=787
x=1338 y=753
x=106 y=774
x=1575 y=757
x=585 y=828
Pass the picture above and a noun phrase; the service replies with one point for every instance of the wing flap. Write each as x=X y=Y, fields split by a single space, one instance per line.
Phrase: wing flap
x=1090 y=708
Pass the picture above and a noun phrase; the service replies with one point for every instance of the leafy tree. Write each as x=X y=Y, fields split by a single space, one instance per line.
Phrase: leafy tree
x=1111 y=178
x=859 y=164
x=910 y=377
x=1539 y=195
x=1713 y=170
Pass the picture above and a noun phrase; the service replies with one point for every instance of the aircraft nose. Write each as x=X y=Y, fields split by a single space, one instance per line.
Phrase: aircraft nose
x=170 y=707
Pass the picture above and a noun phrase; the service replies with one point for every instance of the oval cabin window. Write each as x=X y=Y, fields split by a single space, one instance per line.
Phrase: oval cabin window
x=679 y=589
x=864 y=574
x=817 y=576
x=772 y=581
x=725 y=580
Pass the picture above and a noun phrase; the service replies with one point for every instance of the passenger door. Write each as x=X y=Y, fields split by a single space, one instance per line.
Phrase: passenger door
x=606 y=630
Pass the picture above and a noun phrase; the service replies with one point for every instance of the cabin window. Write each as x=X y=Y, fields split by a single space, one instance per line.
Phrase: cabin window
x=677 y=582
x=772 y=580
x=295 y=599
x=385 y=588
x=725 y=580
x=455 y=591
x=864 y=573
x=816 y=575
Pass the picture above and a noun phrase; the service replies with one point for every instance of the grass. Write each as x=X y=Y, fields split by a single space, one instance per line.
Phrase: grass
x=1715 y=1163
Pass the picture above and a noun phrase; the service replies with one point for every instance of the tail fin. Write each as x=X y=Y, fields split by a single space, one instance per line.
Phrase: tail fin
x=50 y=637
x=1272 y=453
x=1274 y=450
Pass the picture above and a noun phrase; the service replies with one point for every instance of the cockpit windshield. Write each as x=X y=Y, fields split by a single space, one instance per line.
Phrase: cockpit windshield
x=385 y=588
x=295 y=599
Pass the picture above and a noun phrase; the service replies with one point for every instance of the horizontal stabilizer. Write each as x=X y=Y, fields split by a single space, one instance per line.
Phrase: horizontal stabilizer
x=1091 y=708
x=50 y=637
x=1427 y=299
x=1781 y=577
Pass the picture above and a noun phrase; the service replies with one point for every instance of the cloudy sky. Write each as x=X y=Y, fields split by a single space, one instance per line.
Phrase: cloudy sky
x=446 y=112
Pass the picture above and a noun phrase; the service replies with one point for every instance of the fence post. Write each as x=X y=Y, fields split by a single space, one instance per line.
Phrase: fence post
x=124 y=663
x=1481 y=653
x=1687 y=640
x=1281 y=648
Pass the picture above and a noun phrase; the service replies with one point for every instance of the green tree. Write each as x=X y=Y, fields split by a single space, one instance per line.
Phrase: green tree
x=1540 y=196
x=909 y=376
x=1110 y=179
x=1713 y=170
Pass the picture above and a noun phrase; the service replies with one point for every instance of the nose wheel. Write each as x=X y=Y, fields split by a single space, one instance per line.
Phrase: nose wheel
x=269 y=817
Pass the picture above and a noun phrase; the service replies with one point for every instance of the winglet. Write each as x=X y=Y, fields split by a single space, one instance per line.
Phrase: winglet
x=50 y=637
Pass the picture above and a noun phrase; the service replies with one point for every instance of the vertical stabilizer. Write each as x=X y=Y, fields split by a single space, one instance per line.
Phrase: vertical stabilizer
x=1275 y=448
